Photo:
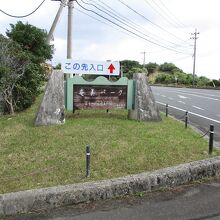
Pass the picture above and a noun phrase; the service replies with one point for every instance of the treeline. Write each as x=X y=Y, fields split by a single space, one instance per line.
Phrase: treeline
x=166 y=73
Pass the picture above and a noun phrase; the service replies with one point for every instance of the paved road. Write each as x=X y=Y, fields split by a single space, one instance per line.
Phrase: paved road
x=185 y=203
x=203 y=106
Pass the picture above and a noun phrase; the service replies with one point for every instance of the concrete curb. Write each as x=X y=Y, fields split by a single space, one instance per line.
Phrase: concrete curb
x=48 y=198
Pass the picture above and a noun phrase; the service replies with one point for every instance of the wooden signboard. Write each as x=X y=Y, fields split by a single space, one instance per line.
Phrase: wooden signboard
x=99 y=97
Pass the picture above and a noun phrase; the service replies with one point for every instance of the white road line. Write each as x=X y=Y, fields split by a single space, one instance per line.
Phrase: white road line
x=163 y=96
x=183 y=97
x=171 y=98
x=199 y=96
x=200 y=93
x=182 y=102
x=201 y=116
x=197 y=107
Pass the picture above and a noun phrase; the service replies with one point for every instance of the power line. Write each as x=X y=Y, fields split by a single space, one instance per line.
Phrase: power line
x=158 y=51
x=162 y=13
x=166 y=14
x=170 y=13
x=128 y=29
x=141 y=15
x=132 y=24
x=23 y=16
x=104 y=23
x=117 y=18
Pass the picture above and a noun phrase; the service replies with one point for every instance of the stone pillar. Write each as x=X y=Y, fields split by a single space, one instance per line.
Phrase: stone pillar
x=51 y=110
x=145 y=108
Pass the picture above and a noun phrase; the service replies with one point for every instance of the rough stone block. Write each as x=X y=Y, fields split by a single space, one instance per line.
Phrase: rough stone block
x=145 y=106
x=51 y=110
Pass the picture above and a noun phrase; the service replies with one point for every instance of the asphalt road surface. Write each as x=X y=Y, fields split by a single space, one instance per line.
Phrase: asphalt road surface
x=203 y=106
x=199 y=202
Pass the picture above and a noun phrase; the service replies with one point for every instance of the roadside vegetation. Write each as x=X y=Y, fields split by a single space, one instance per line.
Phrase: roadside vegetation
x=35 y=157
x=167 y=74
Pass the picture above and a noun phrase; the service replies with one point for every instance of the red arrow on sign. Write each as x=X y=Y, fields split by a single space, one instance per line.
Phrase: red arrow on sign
x=111 y=68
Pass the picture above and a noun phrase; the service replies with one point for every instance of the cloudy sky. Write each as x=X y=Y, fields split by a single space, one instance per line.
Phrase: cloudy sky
x=161 y=28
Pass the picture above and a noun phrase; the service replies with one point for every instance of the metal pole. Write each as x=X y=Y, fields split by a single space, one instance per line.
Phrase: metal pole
x=166 y=110
x=186 y=119
x=88 y=161
x=52 y=29
x=211 y=138
x=194 y=55
x=194 y=61
x=143 y=59
x=70 y=30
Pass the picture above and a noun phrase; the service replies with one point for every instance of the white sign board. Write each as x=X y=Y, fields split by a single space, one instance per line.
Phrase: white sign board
x=91 y=67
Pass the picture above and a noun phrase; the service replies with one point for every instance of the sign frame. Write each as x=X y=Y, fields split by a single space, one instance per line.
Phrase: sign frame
x=102 y=81
x=88 y=67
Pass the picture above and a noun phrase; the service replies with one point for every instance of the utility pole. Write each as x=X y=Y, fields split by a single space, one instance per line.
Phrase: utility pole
x=194 y=54
x=52 y=29
x=70 y=4
x=70 y=31
x=144 y=58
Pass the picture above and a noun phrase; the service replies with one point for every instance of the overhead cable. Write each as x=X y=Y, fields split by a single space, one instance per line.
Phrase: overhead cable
x=117 y=18
x=170 y=13
x=104 y=23
x=162 y=14
x=109 y=20
x=144 y=17
x=23 y=16
x=136 y=37
x=129 y=23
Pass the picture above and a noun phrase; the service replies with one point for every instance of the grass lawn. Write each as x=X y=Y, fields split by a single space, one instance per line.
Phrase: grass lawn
x=35 y=157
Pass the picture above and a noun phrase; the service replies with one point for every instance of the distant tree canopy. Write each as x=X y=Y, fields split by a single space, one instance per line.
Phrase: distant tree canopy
x=182 y=78
x=130 y=67
x=166 y=73
x=169 y=67
x=215 y=83
x=33 y=45
x=32 y=40
x=152 y=67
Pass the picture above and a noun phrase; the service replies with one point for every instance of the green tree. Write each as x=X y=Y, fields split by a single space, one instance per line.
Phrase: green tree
x=216 y=82
x=130 y=67
x=165 y=78
x=203 y=81
x=33 y=41
x=13 y=64
x=152 y=67
x=169 y=67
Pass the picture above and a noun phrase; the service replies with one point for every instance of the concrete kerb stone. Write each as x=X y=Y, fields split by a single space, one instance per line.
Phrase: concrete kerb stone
x=53 y=197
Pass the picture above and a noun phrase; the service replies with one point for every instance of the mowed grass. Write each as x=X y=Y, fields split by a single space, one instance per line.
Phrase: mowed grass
x=35 y=157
